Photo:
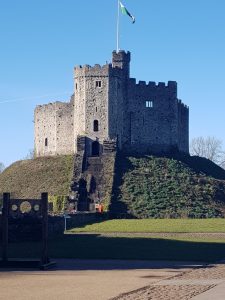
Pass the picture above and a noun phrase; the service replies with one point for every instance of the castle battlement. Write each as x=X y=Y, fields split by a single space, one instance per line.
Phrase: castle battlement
x=170 y=84
x=52 y=105
x=152 y=87
x=96 y=70
x=182 y=105
x=121 y=56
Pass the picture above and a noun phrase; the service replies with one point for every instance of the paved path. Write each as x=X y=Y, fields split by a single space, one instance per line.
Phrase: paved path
x=217 y=293
x=204 y=283
x=117 y=280
x=86 y=279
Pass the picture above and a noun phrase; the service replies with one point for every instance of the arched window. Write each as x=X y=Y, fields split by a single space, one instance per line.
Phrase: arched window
x=95 y=125
x=46 y=142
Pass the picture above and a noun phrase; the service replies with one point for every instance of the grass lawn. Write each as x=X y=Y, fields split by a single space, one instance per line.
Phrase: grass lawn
x=155 y=225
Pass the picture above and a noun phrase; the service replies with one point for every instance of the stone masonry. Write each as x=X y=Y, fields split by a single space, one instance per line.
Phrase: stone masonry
x=107 y=104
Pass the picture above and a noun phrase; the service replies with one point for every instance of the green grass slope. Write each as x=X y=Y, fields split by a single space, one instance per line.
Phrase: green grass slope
x=29 y=178
x=160 y=187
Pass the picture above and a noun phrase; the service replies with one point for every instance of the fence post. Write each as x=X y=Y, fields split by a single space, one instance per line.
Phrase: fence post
x=5 y=226
x=44 y=213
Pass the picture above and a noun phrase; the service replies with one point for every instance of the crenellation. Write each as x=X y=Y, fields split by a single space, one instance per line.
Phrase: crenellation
x=121 y=52
x=132 y=81
x=121 y=56
x=87 y=67
x=87 y=70
x=97 y=66
x=181 y=104
x=141 y=83
x=78 y=68
x=144 y=117
x=172 y=84
x=152 y=84
x=161 y=85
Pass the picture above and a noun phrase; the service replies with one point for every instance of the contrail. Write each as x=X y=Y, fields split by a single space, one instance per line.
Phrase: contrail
x=34 y=98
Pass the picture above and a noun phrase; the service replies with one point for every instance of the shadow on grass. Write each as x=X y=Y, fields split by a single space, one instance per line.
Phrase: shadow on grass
x=95 y=246
x=99 y=218
x=117 y=207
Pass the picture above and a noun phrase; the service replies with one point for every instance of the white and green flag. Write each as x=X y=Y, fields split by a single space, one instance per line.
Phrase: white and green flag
x=126 y=12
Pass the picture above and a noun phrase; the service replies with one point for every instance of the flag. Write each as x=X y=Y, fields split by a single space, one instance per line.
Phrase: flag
x=126 y=12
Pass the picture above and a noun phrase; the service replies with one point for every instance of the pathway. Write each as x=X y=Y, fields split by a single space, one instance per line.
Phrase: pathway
x=208 y=282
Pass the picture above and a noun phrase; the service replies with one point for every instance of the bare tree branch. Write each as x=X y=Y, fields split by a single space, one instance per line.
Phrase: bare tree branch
x=209 y=147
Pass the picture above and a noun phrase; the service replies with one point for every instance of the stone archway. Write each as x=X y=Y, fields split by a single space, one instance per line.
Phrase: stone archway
x=95 y=148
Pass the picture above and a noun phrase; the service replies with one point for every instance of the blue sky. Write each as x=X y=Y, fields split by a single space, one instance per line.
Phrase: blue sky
x=41 y=42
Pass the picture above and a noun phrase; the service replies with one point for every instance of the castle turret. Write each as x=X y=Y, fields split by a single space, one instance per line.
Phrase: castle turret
x=121 y=60
x=91 y=105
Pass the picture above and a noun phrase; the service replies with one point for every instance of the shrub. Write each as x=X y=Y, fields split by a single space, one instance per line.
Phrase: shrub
x=59 y=203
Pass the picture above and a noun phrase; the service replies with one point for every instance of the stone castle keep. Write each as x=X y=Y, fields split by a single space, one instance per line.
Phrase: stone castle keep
x=108 y=107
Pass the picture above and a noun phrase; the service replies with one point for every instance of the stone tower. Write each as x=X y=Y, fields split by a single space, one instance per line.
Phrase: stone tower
x=100 y=95
x=109 y=105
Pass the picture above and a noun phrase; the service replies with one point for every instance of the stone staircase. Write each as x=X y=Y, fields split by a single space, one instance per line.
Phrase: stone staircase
x=92 y=181
x=78 y=168
x=93 y=175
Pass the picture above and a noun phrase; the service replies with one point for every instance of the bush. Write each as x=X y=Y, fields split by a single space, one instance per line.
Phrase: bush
x=59 y=203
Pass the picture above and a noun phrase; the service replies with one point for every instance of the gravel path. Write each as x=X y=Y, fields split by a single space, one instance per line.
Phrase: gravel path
x=181 y=287
x=166 y=293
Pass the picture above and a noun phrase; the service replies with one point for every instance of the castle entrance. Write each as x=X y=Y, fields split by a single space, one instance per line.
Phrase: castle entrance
x=95 y=148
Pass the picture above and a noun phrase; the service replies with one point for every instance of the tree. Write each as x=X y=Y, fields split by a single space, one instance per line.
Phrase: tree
x=2 y=167
x=209 y=147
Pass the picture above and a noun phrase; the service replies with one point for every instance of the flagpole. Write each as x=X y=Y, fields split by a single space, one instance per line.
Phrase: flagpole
x=118 y=26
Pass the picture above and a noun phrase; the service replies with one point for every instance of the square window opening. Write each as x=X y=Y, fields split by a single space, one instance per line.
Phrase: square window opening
x=149 y=104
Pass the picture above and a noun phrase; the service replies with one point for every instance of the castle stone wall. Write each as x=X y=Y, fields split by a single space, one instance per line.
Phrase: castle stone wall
x=154 y=128
x=107 y=104
x=45 y=128
x=54 y=129
x=121 y=60
x=117 y=103
x=65 y=129
x=183 y=126
x=79 y=103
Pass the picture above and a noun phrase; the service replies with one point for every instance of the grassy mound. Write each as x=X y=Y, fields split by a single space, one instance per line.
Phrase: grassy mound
x=29 y=178
x=160 y=187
